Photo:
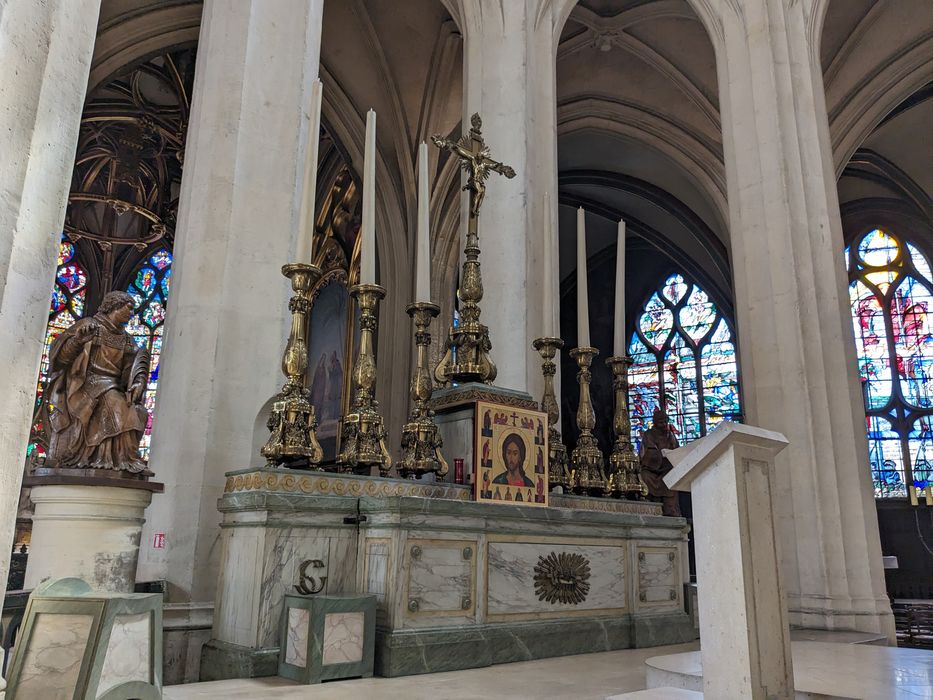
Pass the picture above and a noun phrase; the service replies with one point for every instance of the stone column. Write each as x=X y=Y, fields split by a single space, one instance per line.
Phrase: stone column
x=228 y=317
x=798 y=366
x=45 y=51
x=509 y=78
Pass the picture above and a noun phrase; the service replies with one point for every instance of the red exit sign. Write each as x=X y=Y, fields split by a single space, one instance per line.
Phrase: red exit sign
x=158 y=540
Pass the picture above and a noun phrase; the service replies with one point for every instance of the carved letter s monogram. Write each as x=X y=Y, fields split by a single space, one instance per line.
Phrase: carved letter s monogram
x=308 y=585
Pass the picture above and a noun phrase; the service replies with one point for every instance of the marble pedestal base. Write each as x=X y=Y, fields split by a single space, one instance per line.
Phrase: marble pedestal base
x=454 y=580
x=454 y=414
x=89 y=532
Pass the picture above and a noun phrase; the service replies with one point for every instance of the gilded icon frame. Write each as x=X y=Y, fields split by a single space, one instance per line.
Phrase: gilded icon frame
x=502 y=433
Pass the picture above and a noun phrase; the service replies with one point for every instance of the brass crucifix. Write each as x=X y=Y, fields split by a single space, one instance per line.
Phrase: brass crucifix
x=467 y=356
x=475 y=159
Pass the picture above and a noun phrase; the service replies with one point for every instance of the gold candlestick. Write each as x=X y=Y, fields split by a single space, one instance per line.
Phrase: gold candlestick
x=363 y=435
x=625 y=468
x=421 y=442
x=292 y=421
x=586 y=459
x=558 y=474
x=467 y=356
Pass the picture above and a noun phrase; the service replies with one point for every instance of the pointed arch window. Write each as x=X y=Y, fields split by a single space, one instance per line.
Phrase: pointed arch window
x=69 y=294
x=683 y=360
x=150 y=288
x=891 y=292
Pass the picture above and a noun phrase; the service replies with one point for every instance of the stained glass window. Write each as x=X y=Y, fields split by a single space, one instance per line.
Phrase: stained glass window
x=150 y=287
x=890 y=293
x=683 y=360
x=69 y=294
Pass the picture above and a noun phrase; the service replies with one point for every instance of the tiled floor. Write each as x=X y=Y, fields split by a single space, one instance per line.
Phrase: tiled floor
x=584 y=677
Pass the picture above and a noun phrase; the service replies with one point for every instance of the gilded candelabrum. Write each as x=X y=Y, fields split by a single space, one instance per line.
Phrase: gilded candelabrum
x=363 y=435
x=421 y=442
x=292 y=422
x=558 y=473
x=586 y=460
x=466 y=358
x=624 y=467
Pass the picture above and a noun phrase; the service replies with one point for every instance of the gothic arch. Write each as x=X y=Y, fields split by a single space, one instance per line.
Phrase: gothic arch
x=870 y=65
x=697 y=156
x=705 y=12
x=132 y=37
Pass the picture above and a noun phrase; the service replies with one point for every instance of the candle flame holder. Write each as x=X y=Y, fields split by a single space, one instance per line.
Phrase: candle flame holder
x=558 y=473
x=586 y=459
x=625 y=467
x=421 y=441
x=363 y=435
x=293 y=440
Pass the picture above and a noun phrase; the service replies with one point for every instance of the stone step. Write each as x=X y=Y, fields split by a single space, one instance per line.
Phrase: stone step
x=659 y=694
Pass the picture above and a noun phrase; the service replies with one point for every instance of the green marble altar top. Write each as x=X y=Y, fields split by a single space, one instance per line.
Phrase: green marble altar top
x=269 y=480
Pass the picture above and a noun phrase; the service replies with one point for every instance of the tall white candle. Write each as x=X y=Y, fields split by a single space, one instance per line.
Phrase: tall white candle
x=423 y=253
x=305 y=252
x=583 y=303
x=368 y=244
x=547 y=329
x=618 y=345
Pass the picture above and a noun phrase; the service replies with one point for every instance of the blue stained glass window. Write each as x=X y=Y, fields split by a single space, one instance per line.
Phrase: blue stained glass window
x=890 y=294
x=150 y=288
x=69 y=292
x=683 y=360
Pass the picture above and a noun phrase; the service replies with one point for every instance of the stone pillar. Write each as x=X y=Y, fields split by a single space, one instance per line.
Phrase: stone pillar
x=228 y=317
x=798 y=366
x=45 y=51
x=87 y=531
x=743 y=616
x=509 y=78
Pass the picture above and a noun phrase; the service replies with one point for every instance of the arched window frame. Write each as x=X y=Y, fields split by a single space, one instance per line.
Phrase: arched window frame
x=675 y=299
x=68 y=304
x=899 y=419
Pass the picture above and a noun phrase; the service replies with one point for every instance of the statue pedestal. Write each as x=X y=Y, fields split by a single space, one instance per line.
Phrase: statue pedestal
x=455 y=409
x=88 y=528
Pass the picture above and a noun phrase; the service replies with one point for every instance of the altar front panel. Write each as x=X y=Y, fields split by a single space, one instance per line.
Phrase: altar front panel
x=458 y=584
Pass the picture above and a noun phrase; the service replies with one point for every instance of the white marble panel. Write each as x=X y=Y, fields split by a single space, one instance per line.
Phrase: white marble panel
x=439 y=577
x=53 y=659
x=235 y=617
x=285 y=550
x=377 y=565
x=656 y=569
x=296 y=638
x=511 y=577
x=343 y=638
x=129 y=652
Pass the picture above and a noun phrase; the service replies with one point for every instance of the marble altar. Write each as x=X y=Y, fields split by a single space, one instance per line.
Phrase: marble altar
x=458 y=584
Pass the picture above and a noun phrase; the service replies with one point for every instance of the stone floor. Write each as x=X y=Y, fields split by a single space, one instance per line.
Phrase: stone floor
x=824 y=669
x=584 y=677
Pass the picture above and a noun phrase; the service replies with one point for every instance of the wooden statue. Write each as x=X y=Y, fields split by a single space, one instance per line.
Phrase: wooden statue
x=97 y=380
x=655 y=466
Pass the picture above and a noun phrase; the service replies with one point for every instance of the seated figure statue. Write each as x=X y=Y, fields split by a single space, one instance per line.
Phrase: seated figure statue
x=655 y=466
x=97 y=379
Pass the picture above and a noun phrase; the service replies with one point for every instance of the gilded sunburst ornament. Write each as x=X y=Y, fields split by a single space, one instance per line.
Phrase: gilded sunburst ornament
x=562 y=578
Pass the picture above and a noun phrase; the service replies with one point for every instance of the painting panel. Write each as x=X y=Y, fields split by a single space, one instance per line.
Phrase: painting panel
x=511 y=455
x=327 y=361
